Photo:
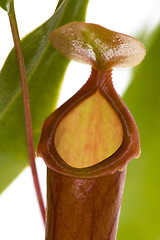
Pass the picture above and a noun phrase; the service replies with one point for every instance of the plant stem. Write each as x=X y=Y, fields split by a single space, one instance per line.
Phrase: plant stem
x=27 y=111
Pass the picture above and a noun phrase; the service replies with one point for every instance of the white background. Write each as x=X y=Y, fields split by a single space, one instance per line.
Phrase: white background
x=20 y=218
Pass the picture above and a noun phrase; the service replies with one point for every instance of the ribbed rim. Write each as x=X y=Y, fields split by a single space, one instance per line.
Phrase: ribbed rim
x=129 y=149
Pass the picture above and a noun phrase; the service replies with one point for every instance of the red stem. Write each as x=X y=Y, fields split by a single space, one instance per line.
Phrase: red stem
x=27 y=111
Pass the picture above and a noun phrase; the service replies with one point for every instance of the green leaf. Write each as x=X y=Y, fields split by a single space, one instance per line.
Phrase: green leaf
x=45 y=70
x=141 y=203
x=5 y=4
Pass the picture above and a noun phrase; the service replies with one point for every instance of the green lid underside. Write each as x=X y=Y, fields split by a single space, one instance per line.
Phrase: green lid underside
x=97 y=46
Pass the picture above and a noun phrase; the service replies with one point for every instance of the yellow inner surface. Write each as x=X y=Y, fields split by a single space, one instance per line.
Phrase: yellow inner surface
x=89 y=133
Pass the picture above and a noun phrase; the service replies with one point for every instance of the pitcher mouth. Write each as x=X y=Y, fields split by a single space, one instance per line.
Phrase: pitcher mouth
x=128 y=149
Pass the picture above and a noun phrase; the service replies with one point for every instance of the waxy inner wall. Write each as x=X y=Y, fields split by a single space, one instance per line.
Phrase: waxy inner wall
x=89 y=133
